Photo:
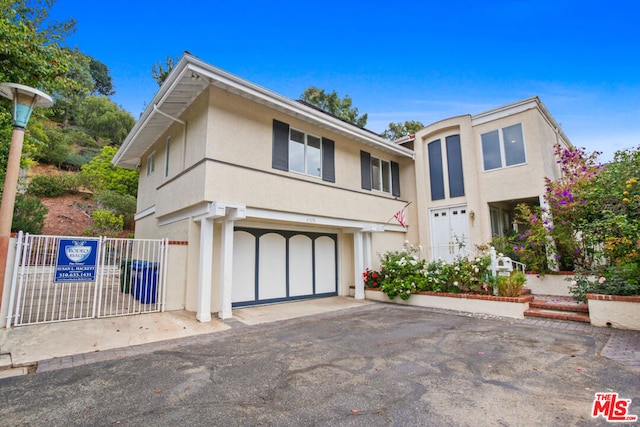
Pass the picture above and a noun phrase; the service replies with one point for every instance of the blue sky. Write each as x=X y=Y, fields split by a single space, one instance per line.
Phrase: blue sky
x=402 y=60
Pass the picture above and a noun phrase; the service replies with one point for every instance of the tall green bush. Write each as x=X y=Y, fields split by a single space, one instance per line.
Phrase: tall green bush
x=106 y=223
x=29 y=214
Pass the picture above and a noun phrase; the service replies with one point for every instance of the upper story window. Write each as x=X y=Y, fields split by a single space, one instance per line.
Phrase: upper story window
x=305 y=153
x=379 y=174
x=151 y=163
x=503 y=147
x=167 y=152
x=295 y=150
x=455 y=175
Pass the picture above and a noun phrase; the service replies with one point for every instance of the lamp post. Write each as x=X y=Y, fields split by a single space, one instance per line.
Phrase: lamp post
x=24 y=99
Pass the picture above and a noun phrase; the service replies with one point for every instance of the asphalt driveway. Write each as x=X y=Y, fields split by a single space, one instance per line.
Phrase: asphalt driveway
x=375 y=365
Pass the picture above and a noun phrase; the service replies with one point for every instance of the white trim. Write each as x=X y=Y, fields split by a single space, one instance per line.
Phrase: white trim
x=145 y=213
x=182 y=214
x=205 y=270
x=315 y=220
x=226 y=269
x=209 y=75
x=359 y=263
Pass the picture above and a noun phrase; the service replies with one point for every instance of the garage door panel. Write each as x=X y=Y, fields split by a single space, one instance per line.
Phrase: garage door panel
x=325 y=261
x=244 y=267
x=300 y=266
x=272 y=267
x=277 y=265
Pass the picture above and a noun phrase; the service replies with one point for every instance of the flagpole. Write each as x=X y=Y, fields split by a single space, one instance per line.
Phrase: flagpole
x=404 y=207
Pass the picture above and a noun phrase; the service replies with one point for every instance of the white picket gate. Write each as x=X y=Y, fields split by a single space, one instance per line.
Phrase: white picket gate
x=130 y=278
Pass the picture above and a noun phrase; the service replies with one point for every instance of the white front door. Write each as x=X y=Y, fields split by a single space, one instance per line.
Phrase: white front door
x=449 y=233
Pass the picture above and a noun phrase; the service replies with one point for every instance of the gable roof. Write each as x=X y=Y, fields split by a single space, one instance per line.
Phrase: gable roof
x=191 y=77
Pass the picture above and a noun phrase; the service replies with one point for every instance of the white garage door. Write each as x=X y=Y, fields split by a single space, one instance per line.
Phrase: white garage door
x=271 y=266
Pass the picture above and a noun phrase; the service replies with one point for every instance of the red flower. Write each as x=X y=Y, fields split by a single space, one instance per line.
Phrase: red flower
x=374 y=275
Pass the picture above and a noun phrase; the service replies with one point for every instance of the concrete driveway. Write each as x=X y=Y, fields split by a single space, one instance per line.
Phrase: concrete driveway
x=372 y=365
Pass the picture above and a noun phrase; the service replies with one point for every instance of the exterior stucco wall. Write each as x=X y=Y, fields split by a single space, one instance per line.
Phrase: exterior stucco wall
x=176 y=277
x=482 y=187
x=472 y=198
x=240 y=148
x=181 y=157
x=385 y=242
x=519 y=181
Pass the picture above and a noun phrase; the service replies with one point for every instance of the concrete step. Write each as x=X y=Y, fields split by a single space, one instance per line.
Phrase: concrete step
x=557 y=315
x=548 y=305
x=13 y=372
x=5 y=361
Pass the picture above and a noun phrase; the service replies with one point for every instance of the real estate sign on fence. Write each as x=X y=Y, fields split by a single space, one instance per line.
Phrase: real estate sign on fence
x=77 y=260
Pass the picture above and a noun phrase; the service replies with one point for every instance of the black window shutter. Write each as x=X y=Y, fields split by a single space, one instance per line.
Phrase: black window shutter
x=328 y=161
x=395 y=179
x=365 y=170
x=454 y=166
x=280 y=155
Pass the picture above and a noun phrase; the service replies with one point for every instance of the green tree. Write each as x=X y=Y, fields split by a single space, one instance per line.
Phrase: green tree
x=161 y=71
x=104 y=119
x=398 y=130
x=32 y=53
x=103 y=83
x=331 y=103
x=100 y=174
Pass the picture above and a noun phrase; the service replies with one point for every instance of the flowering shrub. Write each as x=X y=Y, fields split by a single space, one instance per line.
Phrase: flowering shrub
x=462 y=275
x=591 y=225
x=403 y=273
x=371 y=278
x=622 y=280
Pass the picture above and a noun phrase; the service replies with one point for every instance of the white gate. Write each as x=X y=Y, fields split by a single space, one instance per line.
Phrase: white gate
x=129 y=279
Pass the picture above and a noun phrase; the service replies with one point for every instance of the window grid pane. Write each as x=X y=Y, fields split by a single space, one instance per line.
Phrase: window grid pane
x=513 y=145
x=314 y=156
x=375 y=174
x=491 y=150
x=296 y=156
x=386 y=177
x=305 y=153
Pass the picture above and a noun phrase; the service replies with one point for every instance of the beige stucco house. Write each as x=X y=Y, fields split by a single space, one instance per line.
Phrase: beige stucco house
x=275 y=200
x=472 y=171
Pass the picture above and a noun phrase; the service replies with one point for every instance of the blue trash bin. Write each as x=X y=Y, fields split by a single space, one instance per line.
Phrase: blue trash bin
x=145 y=276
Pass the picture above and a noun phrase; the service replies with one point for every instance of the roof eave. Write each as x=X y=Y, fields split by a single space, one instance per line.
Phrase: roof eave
x=210 y=75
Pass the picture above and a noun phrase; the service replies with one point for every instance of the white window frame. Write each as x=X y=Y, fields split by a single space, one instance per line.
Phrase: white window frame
x=381 y=175
x=501 y=144
x=306 y=153
x=167 y=150
x=151 y=163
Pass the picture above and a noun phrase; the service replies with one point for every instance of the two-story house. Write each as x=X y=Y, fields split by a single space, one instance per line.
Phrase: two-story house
x=277 y=200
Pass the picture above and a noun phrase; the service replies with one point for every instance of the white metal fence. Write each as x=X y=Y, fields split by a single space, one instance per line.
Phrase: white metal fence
x=130 y=278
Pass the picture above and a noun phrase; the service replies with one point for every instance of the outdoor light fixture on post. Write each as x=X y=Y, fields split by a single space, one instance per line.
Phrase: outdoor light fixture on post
x=24 y=99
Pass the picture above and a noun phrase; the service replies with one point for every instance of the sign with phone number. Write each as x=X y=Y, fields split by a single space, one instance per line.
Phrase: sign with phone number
x=76 y=261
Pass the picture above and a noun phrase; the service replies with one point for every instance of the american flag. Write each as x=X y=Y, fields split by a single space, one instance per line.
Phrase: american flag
x=401 y=217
